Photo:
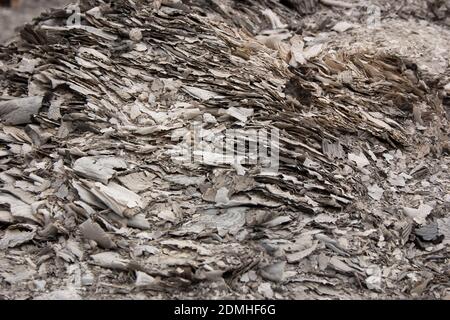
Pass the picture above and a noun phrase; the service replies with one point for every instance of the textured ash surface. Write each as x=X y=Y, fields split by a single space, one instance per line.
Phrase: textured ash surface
x=93 y=206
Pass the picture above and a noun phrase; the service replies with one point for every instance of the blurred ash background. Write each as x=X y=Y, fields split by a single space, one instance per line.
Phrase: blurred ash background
x=11 y=19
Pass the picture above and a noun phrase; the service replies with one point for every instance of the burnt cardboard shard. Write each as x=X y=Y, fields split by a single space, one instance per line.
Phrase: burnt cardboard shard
x=92 y=231
x=99 y=168
x=429 y=233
